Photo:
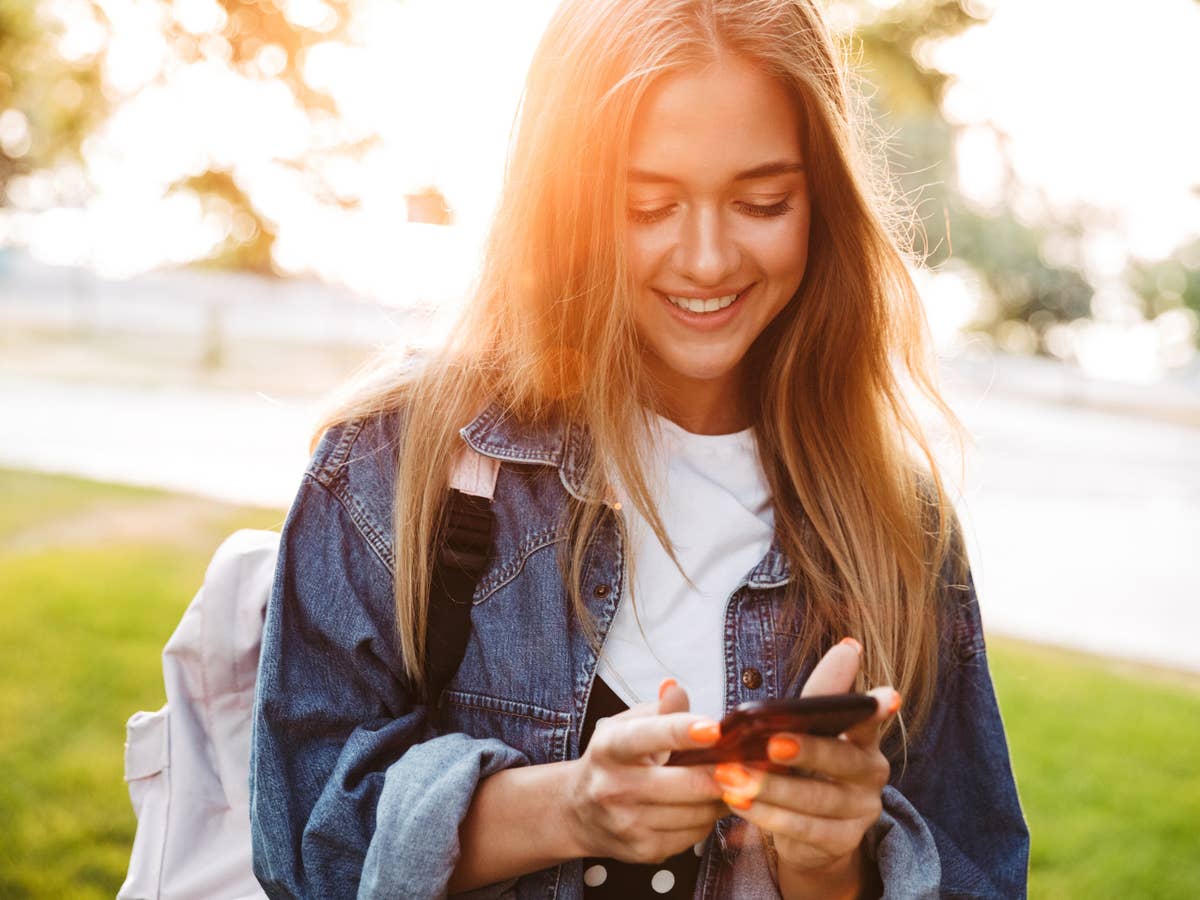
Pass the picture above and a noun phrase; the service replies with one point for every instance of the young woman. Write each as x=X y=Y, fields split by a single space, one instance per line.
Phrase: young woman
x=687 y=352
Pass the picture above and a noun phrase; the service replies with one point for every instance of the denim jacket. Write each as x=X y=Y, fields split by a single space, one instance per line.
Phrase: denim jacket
x=359 y=789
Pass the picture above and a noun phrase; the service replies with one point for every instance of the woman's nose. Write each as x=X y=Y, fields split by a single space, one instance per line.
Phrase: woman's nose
x=707 y=253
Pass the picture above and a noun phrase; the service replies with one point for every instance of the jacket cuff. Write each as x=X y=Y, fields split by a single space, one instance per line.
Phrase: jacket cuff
x=425 y=796
x=903 y=849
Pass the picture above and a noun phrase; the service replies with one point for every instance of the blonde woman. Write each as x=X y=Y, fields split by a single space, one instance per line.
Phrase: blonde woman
x=686 y=352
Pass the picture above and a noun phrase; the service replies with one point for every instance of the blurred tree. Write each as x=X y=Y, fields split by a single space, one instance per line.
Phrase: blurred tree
x=49 y=100
x=1171 y=283
x=250 y=237
x=53 y=95
x=429 y=207
x=907 y=98
x=263 y=39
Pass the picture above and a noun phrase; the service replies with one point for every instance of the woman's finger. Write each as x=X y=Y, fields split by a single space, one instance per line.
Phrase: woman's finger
x=681 y=816
x=866 y=733
x=633 y=739
x=831 y=757
x=811 y=796
x=825 y=837
x=678 y=784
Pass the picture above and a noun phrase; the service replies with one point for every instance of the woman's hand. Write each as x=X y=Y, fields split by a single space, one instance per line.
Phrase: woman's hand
x=624 y=803
x=819 y=814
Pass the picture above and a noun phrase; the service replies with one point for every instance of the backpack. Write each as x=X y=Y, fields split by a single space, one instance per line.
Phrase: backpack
x=187 y=765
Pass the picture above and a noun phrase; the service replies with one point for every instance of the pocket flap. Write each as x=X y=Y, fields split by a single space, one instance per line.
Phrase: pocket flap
x=147 y=744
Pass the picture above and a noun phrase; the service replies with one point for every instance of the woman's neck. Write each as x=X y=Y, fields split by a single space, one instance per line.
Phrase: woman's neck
x=706 y=407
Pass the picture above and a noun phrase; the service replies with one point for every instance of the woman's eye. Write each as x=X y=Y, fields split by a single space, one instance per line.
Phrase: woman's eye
x=649 y=216
x=771 y=209
x=763 y=210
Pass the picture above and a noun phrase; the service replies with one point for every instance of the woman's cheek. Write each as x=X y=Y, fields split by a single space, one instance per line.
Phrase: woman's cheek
x=648 y=249
x=781 y=248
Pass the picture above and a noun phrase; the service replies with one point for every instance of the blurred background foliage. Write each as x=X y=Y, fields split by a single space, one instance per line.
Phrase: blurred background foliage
x=1010 y=254
x=908 y=97
x=53 y=97
x=48 y=103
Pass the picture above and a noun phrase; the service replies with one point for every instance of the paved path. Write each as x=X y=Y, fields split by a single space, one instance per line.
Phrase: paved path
x=242 y=447
x=1084 y=527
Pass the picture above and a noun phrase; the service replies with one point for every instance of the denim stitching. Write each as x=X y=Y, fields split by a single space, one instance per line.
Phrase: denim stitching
x=767 y=636
x=476 y=434
x=358 y=521
x=337 y=456
x=510 y=570
x=373 y=534
x=484 y=703
x=729 y=650
x=595 y=555
x=514 y=454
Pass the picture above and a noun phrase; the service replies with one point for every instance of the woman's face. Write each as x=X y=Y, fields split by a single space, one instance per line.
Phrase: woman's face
x=718 y=223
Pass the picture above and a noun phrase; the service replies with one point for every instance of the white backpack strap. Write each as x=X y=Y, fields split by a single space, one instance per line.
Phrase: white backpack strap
x=473 y=473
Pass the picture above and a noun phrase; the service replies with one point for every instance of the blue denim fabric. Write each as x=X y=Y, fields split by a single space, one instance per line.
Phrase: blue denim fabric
x=357 y=789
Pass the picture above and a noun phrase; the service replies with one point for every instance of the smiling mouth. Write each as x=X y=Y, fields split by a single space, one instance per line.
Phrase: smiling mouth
x=708 y=305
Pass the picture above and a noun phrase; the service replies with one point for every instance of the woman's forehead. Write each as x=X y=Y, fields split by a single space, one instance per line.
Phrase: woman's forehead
x=722 y=122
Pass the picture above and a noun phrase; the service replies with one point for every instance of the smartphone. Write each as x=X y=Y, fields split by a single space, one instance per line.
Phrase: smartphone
x=746 y=730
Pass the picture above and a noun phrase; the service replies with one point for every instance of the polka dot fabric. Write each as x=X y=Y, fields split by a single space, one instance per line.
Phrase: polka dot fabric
x=610 y=878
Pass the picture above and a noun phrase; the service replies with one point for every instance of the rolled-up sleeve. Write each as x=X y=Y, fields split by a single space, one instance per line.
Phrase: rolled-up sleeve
x=952 y=824
x=353 y=791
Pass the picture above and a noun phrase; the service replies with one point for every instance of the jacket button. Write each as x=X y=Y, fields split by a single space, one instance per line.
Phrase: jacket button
x=601 y=590
x=752 y=678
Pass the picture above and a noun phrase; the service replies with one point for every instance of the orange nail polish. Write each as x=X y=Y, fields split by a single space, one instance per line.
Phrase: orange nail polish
x=667 y=684
x=895 y=703
x=782 y=749
x=706 y=732
x=737 y=801
x=732 y=775
x=853 y=643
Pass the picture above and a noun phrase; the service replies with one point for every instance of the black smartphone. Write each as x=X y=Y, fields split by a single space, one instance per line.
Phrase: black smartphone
x=746 y=730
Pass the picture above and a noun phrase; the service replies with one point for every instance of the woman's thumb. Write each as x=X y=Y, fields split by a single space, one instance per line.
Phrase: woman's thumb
x=836 y=671
x=672 y=698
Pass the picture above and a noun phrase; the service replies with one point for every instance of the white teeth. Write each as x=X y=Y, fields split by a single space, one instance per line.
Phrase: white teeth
x=703 y=306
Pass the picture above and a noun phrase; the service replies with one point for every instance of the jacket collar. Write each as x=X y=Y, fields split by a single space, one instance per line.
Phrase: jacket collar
x=567 y=446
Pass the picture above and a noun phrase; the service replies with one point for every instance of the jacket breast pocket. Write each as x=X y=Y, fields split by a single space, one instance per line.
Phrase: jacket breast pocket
x=511 y=563
x=541 y=734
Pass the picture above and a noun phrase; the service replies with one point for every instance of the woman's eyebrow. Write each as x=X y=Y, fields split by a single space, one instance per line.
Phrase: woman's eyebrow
x=766 y=170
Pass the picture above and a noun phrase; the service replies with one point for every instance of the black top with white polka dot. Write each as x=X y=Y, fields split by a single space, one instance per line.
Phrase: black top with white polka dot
x=603 y=878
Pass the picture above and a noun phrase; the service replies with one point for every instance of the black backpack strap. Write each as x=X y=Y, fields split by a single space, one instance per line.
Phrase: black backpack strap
x=462 y=555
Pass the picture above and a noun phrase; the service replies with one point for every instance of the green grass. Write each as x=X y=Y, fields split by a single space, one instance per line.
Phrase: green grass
x=93 y=579
x=1108 y=766
x=92 y=584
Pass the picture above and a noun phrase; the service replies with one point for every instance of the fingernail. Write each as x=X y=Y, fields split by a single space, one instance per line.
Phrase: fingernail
x=667 y=684
x=737 y=801
x=895 y=703
x=853 y=643
x=782 y=749
x=706 y=731
x=732 y=775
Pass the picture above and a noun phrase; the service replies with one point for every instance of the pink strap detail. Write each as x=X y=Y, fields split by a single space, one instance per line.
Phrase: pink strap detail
x=474 y=473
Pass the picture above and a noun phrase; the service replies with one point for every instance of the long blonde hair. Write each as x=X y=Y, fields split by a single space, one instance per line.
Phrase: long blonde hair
x=859 y=508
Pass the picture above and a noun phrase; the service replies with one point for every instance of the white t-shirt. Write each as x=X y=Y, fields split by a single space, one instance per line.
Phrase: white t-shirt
x=716 y=507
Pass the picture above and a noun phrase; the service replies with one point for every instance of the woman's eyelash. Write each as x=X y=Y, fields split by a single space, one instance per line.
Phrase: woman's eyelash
x=650 y=216
x=774 y=209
